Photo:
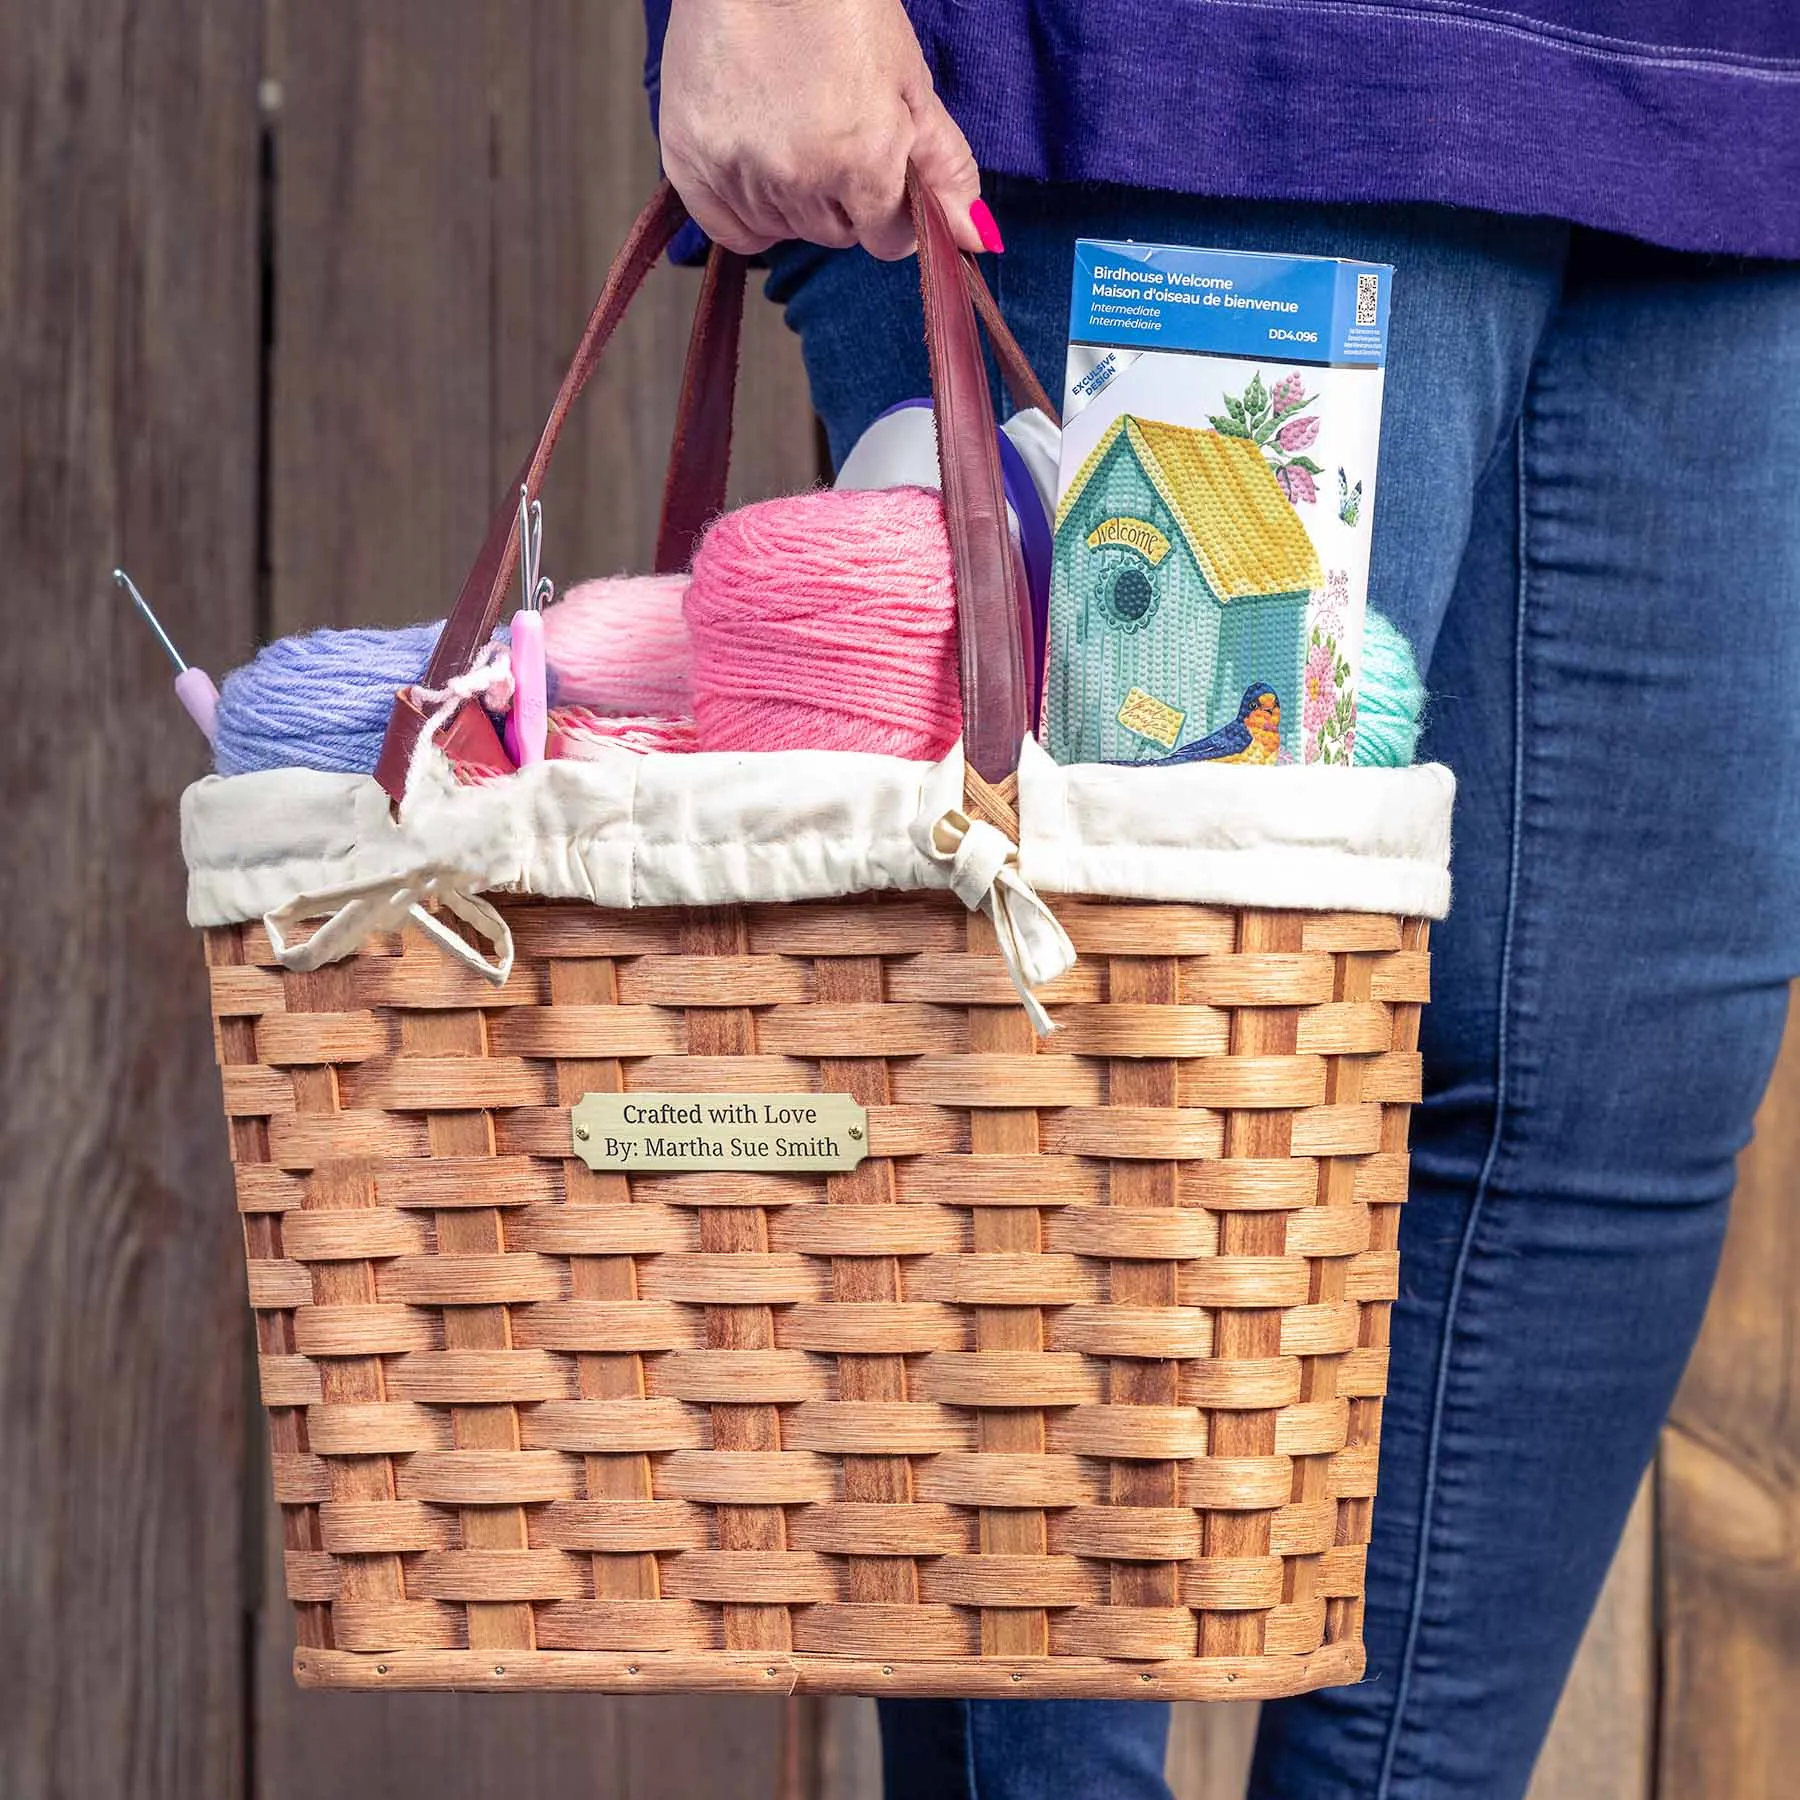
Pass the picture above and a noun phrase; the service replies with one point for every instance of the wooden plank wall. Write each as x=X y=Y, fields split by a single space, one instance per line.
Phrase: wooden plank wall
x=1730 y=1493
x=128 y=381
x=432 y=188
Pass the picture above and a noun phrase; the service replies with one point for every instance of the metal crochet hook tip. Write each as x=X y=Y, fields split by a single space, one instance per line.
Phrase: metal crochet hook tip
x=143 y=606
x=538 y=590
x=193 y=687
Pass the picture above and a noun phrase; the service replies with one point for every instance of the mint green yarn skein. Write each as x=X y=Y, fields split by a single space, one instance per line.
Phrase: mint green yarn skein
x=1390 y=698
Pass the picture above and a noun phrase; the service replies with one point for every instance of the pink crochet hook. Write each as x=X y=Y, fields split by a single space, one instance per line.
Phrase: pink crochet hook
x=193 y=687
x=527 y=724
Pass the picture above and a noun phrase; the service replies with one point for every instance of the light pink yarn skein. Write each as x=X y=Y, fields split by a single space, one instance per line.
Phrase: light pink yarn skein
x=619 y=646
x=827 y=621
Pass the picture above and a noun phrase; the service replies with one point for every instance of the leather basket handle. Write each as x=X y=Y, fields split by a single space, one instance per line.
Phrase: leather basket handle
x=996 y=712
x=994 y=686
x=699 y=463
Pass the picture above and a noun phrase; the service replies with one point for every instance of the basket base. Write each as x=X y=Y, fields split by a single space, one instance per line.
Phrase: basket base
x=1027 y=1678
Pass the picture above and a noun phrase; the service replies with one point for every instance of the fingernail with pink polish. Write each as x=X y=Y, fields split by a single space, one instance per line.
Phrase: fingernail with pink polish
x=985 y=228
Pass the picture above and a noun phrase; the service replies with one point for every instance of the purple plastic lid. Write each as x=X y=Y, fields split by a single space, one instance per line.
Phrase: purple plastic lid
x=1034 y=550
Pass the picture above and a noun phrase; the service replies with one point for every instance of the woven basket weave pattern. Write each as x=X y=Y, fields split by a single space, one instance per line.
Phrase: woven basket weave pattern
x=1073 y=1387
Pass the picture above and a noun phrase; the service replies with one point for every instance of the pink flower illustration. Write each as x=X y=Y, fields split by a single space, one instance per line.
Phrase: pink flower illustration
x=1297 y=484
x=1296 y=434
x=1320 y=688
x=1328 y=613
x=1287 y=394
x=1265 y=415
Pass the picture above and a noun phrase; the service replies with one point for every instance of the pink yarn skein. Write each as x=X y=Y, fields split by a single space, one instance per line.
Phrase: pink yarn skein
x=619 y=646
x=827 y=621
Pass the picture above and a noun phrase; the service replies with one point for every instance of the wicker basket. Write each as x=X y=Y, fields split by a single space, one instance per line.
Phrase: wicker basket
x=1072 y=1387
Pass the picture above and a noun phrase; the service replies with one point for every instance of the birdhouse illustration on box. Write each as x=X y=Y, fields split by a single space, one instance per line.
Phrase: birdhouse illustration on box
x=1179 y=599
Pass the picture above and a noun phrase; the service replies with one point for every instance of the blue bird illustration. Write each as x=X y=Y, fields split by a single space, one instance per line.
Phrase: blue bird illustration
x=1254 y=736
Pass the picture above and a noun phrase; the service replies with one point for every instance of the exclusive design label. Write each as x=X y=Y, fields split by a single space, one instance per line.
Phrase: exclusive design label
x=774 y=1133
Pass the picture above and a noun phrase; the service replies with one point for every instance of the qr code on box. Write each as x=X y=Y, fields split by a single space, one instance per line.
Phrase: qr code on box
x=1368 y=297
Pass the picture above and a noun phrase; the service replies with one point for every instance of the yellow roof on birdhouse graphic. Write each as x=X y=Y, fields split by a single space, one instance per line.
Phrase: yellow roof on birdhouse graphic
x=1243 y=530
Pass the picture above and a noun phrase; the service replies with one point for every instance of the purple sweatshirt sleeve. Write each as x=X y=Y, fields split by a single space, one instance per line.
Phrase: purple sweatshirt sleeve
x=1676 y=121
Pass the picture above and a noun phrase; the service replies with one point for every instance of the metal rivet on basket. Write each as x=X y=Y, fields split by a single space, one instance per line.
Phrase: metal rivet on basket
x=769 y=1671
x=856 y=1131
x=499 y=1668
x=1146 y=1678
x=631 y=1668
x=887 y=1668
x=581 y=1131
x=380 y=1668
x=1018 y=1675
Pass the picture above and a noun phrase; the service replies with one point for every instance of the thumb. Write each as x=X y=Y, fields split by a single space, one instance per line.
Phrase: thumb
x=946 y=165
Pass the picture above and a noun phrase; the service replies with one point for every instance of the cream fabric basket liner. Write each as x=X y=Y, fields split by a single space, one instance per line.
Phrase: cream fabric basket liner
x=705 y=830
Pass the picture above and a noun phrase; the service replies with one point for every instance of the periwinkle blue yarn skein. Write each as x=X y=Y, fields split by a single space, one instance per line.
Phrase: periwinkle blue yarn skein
x=1390 y=697
x=318 y=701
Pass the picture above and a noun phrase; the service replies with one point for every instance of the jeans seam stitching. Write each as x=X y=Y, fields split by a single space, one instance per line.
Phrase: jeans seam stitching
x=1484 y=1180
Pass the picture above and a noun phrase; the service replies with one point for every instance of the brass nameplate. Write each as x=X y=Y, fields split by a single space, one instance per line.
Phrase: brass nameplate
x=776 y=1133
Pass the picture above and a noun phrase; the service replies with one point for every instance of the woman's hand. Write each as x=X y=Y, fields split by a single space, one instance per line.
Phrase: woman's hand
x=797 y=118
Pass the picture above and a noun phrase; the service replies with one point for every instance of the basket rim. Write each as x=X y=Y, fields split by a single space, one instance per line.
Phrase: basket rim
x=1268 y=1677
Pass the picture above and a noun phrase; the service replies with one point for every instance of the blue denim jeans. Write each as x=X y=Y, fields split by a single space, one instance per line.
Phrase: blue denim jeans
x=1589 y=527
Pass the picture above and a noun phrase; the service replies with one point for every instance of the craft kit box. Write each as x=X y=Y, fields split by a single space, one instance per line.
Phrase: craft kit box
x=1217 y=483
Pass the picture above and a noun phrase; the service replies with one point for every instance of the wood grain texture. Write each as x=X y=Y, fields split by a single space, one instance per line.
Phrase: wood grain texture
x=128 y=346
x=1209 y=1750
x=1255 y=1031
x=1144 y=1081
x=849 y=1758
x=1730 y=1493
x=518 y=1747
x=1602 y=1741
x=602 y=1377
x=453 y=177
x=1017 y=1230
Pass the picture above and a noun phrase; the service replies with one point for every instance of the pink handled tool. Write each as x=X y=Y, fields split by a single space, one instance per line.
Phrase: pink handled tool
x=527 y=724
x=193 y=687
